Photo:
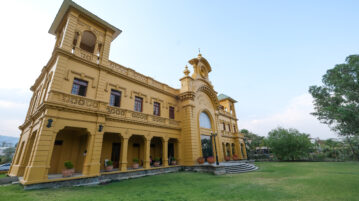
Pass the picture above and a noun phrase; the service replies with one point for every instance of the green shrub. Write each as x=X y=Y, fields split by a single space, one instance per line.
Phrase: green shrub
x=109 y=163
x=135 y=160
x=68 y=165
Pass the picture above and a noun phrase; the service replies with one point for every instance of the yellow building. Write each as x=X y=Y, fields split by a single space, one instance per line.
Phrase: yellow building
x=87 y=109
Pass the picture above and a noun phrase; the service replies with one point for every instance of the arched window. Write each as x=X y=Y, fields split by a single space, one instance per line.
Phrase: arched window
x=204 y=120
x=88 y=41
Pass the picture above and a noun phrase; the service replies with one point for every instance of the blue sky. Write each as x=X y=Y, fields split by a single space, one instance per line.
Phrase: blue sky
x=265 y=54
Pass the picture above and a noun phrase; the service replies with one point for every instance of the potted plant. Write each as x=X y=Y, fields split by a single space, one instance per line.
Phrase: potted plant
x=69 y=169
x=210 y=159
x=109 y=165
x=227 y=158
x=173 y=161
x=235 y=157
x=200 y=160
x=157 y=162
x=135 y=164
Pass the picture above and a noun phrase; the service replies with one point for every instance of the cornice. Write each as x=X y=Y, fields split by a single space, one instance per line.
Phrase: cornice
x=189 y=95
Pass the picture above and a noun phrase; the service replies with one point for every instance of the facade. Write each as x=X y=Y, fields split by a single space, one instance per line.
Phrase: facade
x=87 y=109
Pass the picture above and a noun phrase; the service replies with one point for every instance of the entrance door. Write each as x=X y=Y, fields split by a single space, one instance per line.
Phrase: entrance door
x=115 y=156
x=207 y=150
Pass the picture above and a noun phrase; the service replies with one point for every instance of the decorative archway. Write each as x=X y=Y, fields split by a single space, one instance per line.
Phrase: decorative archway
x=211 y=94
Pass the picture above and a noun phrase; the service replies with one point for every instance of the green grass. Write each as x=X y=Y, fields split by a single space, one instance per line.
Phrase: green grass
x=274 y=181
x=2 y=175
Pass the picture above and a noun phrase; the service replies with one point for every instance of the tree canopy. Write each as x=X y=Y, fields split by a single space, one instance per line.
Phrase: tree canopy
x=337 y=101
x=289 y=144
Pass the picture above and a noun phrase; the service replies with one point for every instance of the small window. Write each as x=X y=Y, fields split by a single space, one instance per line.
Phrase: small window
x=224 y=126
x=172 y=112
x=138 y=104
x=79 y=87
x=156 y=109
x=234 y=128
x=229 y=127
x=115 y=98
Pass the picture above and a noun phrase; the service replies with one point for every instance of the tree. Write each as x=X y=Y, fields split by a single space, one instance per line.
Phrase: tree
x=336 y=103
x=8 y=154
x=289 y=144
x=252 y=139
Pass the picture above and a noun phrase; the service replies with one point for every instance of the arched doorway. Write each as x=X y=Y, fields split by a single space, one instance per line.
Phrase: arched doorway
x=27 y=153
x=206 y=140
x=70 y=145
x=233 y=149
x=156 y=150
x=136 y=150
x=228 y=149
x=111 y=149
x=173 y=151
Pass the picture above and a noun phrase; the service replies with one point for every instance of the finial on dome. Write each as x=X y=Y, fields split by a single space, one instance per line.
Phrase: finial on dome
x=199 y=52
x=186 y=71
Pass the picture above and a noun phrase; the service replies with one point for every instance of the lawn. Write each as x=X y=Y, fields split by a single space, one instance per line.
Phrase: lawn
x=2 y=175
x=274 y=181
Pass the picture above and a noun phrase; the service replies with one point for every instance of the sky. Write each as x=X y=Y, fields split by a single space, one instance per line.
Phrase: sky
x=264 y=54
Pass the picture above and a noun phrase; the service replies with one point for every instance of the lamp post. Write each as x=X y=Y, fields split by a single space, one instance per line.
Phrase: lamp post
x=213 y=136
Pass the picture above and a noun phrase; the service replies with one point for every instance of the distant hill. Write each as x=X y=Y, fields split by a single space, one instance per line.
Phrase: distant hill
x=9 y=140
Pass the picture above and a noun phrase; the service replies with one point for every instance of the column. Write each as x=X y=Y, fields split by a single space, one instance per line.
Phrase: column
x=240 y=155
x=69 y=32
x=146 y=160
x=178 y=151
x=244 y=151
x=37 y=168
x=124 y=148
x=93 y=156
x=165 y=152
x=79 y=40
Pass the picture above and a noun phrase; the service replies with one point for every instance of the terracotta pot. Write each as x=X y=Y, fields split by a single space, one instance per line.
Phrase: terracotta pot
x=156 y=164
x=235 y=158
x=67 y=172
x=200 y=160
x=210 y=160
x=109 y=168
x=135 y=165
x=173 y=163
x=227 y=158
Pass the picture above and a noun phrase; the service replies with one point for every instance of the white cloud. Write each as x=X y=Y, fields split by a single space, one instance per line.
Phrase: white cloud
x=9 y=127
x=294 y=115
x=27 y=47
x=11 y=105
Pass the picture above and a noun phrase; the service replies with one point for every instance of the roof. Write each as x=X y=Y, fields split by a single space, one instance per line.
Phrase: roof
x=201 y=59
x=66 y=5
x=224 y=97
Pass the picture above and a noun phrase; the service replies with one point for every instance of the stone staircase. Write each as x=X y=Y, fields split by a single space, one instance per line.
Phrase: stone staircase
x=240 y=168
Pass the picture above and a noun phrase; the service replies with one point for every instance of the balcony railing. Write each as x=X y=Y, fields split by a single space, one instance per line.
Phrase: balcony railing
x=75 y=101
